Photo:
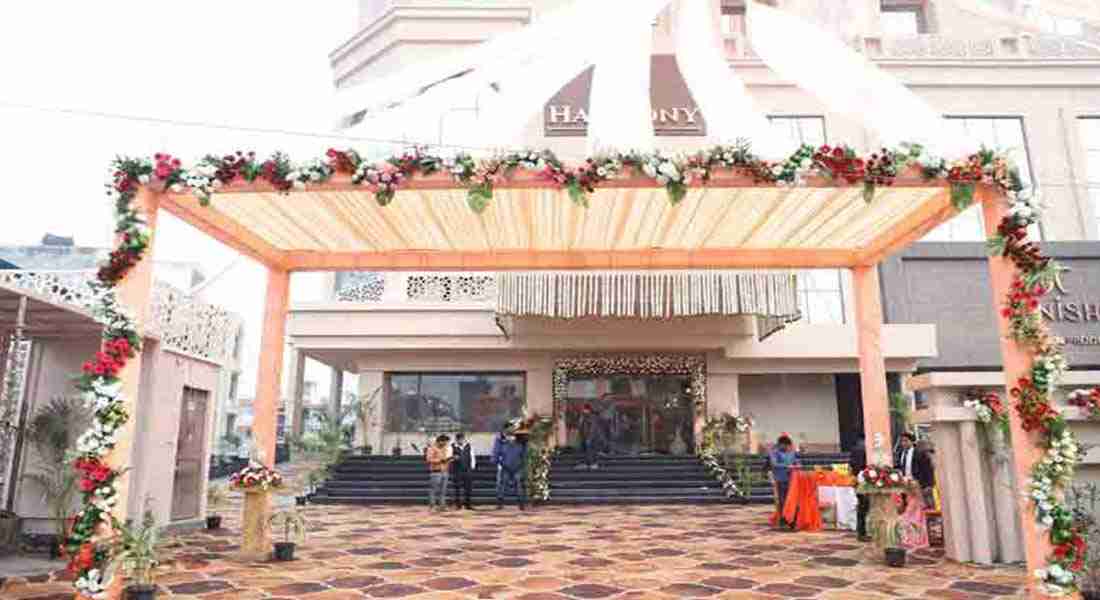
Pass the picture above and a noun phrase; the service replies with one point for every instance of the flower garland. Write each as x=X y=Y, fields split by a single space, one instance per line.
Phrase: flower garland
x=674 y=172
x=1086 y=399
x=881 y=478
x=1033 y=393
x=709 y=454
x=88 y=544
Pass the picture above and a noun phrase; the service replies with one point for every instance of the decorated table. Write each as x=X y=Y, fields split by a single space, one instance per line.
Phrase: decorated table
x=896 y=516
x=836 y=496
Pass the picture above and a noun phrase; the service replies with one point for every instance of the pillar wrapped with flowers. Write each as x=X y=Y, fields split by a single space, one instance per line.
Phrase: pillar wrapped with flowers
x=257 y=482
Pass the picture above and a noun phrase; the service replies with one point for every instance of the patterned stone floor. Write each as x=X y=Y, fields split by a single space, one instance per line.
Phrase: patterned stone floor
x=550 y=553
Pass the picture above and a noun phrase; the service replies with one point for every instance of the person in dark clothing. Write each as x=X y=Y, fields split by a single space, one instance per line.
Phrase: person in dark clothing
x=462 y=471
x=857 y=461
x=915 y=463
x=513 y=472
x=782 y=459
x=592 y=437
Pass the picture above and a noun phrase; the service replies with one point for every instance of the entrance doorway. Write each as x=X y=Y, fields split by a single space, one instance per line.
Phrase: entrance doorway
x=189 y=475
x=638 y=414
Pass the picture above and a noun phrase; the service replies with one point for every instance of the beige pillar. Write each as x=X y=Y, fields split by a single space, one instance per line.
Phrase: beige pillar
x=335 y=394
x=978 y=514
x=1017 y=363
x=297 y=385
x=265 y=407
x=134 y=293
x=872 y=365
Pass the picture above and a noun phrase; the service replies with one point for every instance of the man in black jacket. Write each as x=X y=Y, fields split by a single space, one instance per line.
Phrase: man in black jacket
x=915 y=463
x=857 y=461
x=462 y=471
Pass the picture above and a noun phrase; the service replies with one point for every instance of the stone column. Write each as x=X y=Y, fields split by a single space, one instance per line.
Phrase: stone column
x=297 y=385
x=255 y=529
x=336 y=391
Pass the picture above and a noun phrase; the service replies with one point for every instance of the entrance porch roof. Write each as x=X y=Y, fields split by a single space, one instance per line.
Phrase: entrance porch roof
x=730 y=221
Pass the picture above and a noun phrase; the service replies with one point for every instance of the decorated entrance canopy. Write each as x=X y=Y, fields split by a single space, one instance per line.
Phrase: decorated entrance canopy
x=721 y=208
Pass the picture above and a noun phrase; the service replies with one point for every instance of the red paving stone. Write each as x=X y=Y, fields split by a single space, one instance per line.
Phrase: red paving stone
x=551 y=553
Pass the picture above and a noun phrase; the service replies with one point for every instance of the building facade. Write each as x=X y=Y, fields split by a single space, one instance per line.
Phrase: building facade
x=435 y=345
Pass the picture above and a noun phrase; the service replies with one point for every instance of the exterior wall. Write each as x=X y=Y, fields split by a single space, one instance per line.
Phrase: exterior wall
x=948 y=284
x=801 y=404
x=52 y=365
x=157 y=431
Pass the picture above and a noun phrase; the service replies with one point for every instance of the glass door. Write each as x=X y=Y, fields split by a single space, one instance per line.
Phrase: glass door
x=637 y=414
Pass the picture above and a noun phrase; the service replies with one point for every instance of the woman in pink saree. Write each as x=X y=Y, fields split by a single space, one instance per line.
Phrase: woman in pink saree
x=914 y=530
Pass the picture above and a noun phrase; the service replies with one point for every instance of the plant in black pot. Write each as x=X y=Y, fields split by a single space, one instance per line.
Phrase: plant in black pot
x=889 y=531
x=136 y=550
x=215 y=498
x=294 y=531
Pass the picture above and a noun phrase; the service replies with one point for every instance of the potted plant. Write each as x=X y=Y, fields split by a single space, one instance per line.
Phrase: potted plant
x=136 y=549
x=52 y=433
x=216 y=497
x=303 y=488
x=294 y=531
x=315 y=478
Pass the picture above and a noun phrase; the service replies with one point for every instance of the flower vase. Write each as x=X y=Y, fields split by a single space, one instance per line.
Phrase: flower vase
x=255 y=530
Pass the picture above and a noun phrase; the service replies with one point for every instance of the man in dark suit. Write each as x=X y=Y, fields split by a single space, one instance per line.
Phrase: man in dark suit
x=462 y=471
x=915 y=463
x=857 y=461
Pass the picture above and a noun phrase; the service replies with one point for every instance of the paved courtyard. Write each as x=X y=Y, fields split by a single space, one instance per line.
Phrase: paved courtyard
x=551 y=553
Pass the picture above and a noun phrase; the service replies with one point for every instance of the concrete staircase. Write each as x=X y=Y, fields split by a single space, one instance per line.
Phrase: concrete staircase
x=656 y=479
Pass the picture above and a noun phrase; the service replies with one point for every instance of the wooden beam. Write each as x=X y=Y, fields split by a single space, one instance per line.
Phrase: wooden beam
x=1017 y=363
x=872 y=365
x=222 y=228
x=524 y=260
x=932 y=213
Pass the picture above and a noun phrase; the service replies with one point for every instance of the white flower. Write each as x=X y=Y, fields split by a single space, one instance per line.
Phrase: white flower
x=1047 y=521
x=777 y=170
x=143 y=179
x=176 y=187
x=602 y=171
x=649 y=170
x=806 y=163
x=668 y=169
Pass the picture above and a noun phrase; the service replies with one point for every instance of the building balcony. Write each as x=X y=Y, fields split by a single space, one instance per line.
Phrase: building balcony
x=182 y=323
x=931 y=47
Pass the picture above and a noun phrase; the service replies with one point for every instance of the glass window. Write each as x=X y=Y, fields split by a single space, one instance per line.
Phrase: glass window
x=449 y=402
x=900 y=23
x=798 y=130
x=1090 y=138
x=1005 y=134
x=821 y=296
x=733 y=20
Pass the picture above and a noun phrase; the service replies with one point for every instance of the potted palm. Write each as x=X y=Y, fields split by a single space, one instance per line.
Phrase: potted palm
x=136 y=550
x=52 y=433
x=294 y=531
x=215 y=498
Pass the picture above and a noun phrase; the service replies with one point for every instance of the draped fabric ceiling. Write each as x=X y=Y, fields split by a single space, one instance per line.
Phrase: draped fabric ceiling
x=629 y=224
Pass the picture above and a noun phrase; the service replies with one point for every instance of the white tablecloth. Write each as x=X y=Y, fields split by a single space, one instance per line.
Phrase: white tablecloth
x=844 y=499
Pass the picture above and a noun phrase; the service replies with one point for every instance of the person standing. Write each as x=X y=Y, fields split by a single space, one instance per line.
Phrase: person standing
x=915 y=464
x=592 y=438
x=462 y=471
x=857 y=461
x=782 y=459
x=513 y=472
x=438 y=461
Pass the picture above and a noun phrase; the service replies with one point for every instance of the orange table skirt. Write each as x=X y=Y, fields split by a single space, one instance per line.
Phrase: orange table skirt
x=802 y=507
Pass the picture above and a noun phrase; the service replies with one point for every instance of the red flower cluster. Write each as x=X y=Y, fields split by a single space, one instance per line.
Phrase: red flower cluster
x=1024 y=253
x=124 y=183
x=119 y=262
x=1074 y=549
x=341 y=162
x=881 y=168
x=970 y=172
x=841 y=163
x=92 y=473
x=1035 y=411
x=232 y=166
x=1089 y=401
x=165 y=166
x=110 y=360
x=990 y=399
x=83 y=559
x=1022 y=299
x=275 y=174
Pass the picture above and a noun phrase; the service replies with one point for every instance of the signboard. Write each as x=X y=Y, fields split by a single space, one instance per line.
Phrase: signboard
x=674 y=110
x=1072 y=313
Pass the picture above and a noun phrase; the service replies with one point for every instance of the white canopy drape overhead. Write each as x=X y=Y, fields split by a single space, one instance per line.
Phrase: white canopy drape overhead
x=485 y=98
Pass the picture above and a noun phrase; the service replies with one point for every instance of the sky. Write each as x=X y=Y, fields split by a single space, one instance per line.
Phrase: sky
x=244 y=63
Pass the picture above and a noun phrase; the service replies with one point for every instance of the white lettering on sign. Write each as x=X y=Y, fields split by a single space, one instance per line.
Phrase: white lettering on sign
x=677 y=119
